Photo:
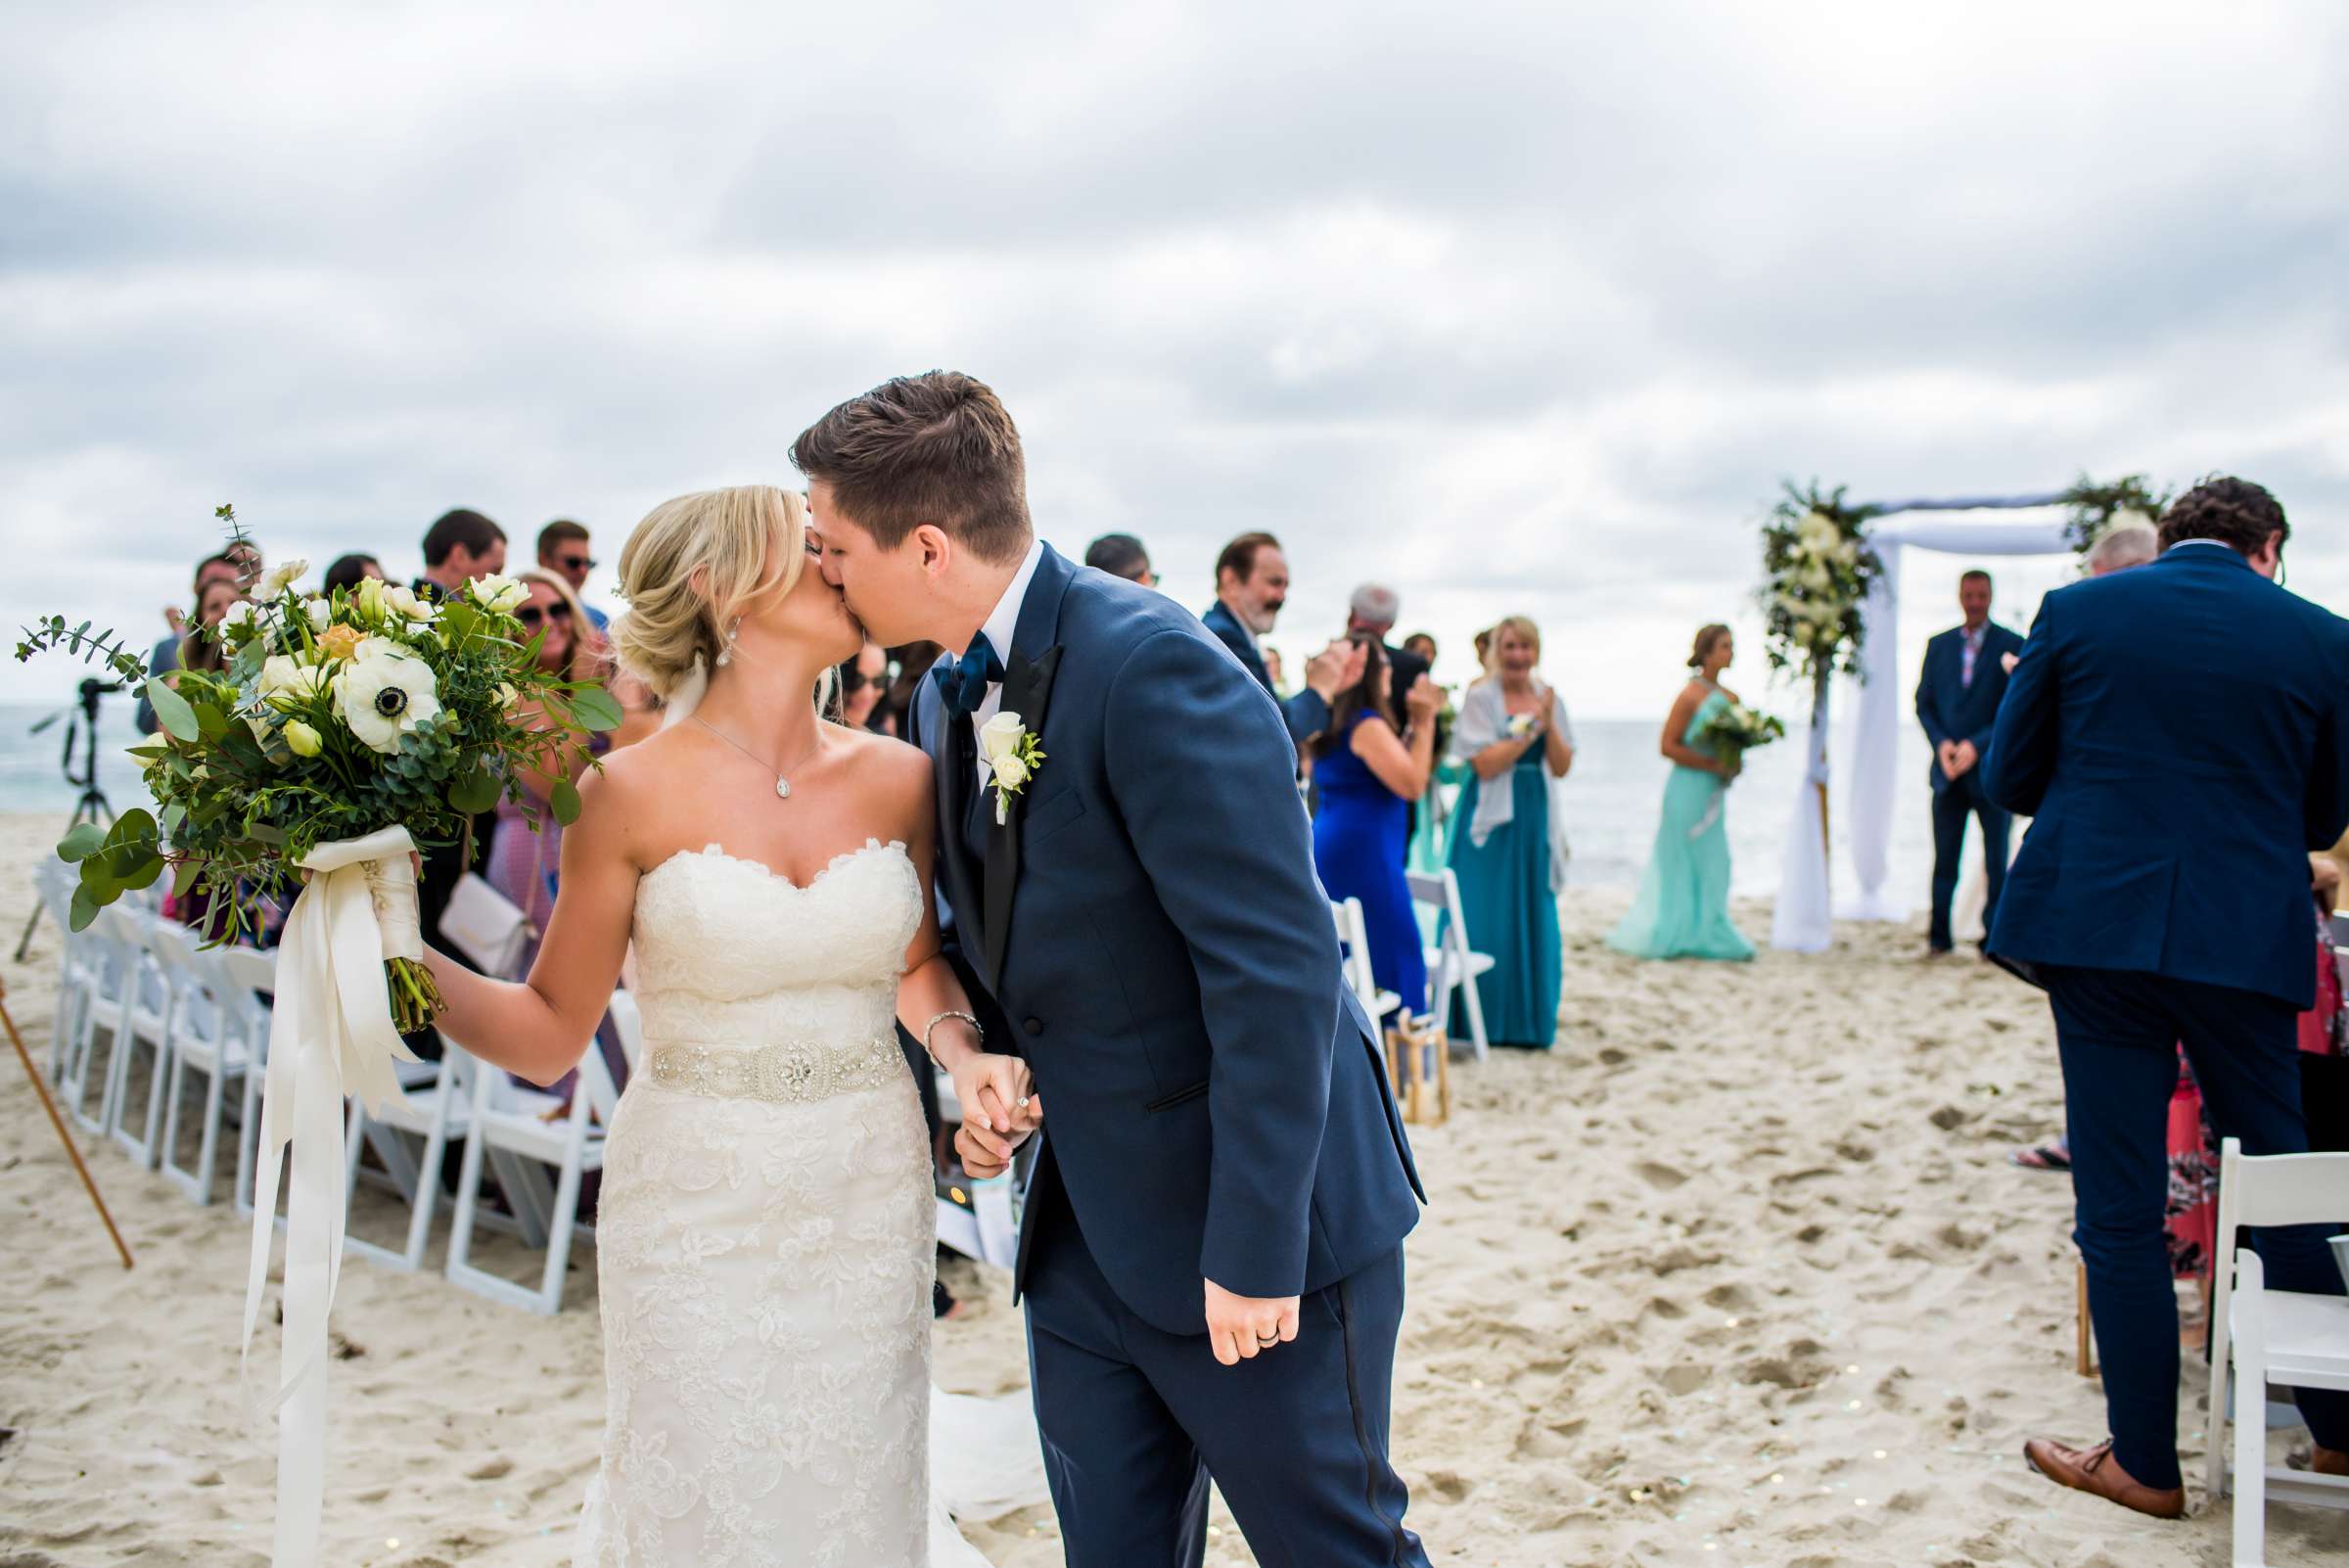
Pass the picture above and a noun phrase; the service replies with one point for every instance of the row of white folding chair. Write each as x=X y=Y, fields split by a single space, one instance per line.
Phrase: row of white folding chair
x=1453 y=964
x=508 y=1138
x=218 y=1029
x=2296 y=1340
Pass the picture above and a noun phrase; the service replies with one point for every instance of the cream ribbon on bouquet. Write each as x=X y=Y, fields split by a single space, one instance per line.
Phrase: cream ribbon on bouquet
x=330 y=1035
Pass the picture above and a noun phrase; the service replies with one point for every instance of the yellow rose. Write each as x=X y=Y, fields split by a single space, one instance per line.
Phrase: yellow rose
x=300 y=737
x=339 y=642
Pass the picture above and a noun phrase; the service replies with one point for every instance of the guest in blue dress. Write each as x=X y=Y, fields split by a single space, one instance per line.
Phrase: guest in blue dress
x=1508 y=847
x=1364 y=783
x=1683 y=907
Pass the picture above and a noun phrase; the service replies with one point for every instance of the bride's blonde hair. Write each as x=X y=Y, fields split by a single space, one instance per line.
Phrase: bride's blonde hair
x=696 y=564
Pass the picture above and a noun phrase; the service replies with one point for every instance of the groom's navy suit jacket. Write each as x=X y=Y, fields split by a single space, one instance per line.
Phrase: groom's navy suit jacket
x=1151 y=923
x=1946 y=707
x=2181 y=734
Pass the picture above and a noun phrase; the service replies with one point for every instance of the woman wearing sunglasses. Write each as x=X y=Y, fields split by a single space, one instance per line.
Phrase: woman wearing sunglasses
x=522 y=863
x=864 y=680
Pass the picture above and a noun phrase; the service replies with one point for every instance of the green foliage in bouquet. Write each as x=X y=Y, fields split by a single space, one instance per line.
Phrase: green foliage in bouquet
x=1817 y=567
x=332 y=717
x=2095 y=508
x=1735 y=729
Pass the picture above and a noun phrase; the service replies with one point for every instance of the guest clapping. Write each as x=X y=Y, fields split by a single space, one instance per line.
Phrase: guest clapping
x=1252 y=585
x=2181 y=734
x=1366 y=770
x=1683 y=907
x=1507 y=850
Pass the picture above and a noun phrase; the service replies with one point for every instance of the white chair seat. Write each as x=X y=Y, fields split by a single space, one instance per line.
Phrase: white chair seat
x=1452 y=966
x=1478 y=963
x=2308 y=1339
x=510 y=1138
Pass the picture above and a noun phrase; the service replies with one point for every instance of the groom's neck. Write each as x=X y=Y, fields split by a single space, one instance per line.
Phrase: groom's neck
x=981 y=586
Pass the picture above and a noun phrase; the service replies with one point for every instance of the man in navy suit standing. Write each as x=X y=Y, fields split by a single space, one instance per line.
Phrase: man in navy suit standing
x=2181 y=735
x=1252 y=583
x=1212 y=1249
x=1958 y=701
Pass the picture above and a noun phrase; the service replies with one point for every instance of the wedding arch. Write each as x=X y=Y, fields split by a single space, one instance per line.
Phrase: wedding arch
x=1848 y=620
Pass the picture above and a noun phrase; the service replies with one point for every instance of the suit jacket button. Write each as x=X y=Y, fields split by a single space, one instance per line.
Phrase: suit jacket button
x=1034 y=1025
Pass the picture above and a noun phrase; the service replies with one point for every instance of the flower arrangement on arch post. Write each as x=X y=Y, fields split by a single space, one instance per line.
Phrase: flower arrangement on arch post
x=1818 y=567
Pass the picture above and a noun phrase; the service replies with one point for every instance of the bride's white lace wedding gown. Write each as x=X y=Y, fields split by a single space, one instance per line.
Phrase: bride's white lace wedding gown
x=765 y=1234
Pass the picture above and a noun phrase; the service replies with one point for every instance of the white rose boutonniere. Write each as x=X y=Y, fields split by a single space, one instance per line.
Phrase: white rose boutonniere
x=1014 y=756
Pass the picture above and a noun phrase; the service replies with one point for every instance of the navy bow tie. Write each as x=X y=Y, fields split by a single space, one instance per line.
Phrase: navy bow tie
x=962 y=684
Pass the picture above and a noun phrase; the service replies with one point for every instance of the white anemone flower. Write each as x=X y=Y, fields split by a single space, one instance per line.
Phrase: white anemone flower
x=384 y=692
x=498 y=592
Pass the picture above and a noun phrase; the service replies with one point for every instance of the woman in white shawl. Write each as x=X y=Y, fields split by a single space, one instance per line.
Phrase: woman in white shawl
x=1507 y=847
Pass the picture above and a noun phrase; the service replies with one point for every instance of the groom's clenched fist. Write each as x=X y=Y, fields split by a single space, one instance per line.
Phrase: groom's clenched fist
x=1240 y=1327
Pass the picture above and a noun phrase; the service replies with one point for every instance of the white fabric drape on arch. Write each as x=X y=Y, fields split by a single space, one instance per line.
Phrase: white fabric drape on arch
x=1871 y=740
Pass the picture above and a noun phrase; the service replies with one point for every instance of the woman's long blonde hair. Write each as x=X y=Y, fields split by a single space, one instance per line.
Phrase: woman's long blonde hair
x=693 y=567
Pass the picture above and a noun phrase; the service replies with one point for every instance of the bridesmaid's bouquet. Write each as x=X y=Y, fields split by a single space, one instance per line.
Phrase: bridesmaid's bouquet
x=329 y=719
x=1735 y=729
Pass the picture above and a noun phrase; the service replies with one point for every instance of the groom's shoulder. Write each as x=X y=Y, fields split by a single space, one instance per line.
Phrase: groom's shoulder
x=1111 y=615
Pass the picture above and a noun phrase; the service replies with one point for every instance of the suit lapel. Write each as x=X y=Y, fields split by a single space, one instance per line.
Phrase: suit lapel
x=1027 y=692
x=953 y=777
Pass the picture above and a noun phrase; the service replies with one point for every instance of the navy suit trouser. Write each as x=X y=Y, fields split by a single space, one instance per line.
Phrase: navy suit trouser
x=1134 y=1419
x=1950 y=807
x=2118 y=1033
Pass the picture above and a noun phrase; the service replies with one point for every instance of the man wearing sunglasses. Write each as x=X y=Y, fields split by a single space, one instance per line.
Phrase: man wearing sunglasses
x=563 y=550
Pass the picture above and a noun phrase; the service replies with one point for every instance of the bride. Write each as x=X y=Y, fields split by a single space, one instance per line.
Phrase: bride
x=765 y=1230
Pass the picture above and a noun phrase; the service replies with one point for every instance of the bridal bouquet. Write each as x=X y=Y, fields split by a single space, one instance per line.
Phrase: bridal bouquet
x=332 y=719
x=1735 y=729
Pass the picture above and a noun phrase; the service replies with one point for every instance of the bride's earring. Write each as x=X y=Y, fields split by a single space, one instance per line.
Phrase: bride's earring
x=725 y=655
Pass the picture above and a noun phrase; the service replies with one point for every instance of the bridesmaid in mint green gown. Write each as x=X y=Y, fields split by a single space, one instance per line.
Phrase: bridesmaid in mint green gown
x=1683 y=909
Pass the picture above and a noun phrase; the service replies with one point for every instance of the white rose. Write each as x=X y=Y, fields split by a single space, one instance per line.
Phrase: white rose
x=1817 y=532
x=287 y=682
x=384 y=693
x=281 y=576
x=1000 y=738
x=406 y=602
x=322 y=613
x=1012 y=772
x=238 y=619
x=498 y=592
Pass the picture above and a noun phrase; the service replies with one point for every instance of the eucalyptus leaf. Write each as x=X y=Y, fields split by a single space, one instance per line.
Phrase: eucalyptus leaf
x=183 y=877
x=144 y=874
x=475 y=791
x=565 y=799
x=83 y=910
x=596 y=708
x=171 y=710
x=84 y=842
x=133 y=826
x=211 y=720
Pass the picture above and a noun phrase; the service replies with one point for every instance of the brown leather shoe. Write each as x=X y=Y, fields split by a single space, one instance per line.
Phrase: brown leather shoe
x=2328 y=1461
x=2095 y=1471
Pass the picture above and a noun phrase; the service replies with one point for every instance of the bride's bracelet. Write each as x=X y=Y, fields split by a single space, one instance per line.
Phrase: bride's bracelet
x=932 y=1026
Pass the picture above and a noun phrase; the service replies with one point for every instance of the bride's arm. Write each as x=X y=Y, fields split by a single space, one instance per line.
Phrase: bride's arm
x=540 y=1026
x=995 y=1089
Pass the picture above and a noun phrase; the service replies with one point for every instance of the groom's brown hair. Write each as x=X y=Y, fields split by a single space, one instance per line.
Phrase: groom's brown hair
x=935 y=448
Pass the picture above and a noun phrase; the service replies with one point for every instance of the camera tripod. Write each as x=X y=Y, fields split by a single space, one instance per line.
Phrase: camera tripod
x=91 y=805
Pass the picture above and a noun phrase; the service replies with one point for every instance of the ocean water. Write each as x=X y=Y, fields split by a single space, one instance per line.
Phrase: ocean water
x=1610 y=800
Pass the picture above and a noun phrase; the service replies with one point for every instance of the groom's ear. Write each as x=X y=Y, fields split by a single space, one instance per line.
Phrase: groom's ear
x=936 y=548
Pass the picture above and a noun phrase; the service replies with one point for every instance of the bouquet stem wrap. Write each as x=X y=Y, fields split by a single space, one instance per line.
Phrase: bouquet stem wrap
x=331 y=1034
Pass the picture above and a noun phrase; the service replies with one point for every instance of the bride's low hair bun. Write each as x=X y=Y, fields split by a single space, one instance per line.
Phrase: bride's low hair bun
x=695 y=564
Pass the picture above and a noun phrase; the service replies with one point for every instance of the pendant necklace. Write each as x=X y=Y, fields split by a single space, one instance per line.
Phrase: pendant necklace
x=782 y=784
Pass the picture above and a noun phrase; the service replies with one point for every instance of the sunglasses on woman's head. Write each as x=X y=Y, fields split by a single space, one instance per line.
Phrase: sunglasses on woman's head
x=530 y=614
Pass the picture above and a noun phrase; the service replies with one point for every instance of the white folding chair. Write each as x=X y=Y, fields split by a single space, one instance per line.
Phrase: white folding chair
x=1353 y=932
x=433 y=1111
x=211 y=1028
x=1453 y=965
x=2278 y=1336
x=149 y=1005
x=628 y=1022
x=80 y=958
x=250 y=974
x=113 y=968
x=512 y=1122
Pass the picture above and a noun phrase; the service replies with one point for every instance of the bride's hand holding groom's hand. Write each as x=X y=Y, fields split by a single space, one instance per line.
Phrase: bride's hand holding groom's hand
x=1001 y=1108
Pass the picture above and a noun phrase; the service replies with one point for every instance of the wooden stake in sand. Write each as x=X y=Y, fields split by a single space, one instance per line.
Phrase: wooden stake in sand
x=58 y=1121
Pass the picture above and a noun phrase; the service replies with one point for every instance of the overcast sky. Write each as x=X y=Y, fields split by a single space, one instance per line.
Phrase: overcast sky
x=1519 y=309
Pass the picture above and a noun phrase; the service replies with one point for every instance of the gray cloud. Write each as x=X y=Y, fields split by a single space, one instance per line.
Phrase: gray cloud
x=1515 y=309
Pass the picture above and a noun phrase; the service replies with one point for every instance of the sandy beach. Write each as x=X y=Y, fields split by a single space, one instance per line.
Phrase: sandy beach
x=1738 y=1273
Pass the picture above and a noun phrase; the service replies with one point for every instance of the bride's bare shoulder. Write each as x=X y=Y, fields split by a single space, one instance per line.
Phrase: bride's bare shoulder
x=885 y=760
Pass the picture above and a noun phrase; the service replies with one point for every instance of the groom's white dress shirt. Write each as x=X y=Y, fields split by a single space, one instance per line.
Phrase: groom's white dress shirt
x=998 y=631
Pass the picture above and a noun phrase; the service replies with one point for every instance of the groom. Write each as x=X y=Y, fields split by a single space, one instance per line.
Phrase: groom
x=1212 y=1250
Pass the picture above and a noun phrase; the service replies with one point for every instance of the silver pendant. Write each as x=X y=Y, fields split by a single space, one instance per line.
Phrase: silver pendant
x=782 y=789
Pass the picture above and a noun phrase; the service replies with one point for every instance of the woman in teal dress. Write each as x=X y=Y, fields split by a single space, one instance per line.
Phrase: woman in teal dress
x=1682 y=910
x=1507 y=848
